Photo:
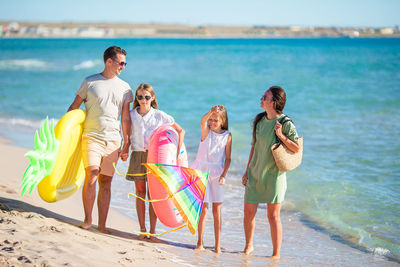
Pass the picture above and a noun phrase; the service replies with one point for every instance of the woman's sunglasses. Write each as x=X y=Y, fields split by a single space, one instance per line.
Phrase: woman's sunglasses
x=140 y=97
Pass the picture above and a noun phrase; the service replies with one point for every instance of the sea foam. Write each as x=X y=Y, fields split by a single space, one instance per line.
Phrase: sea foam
x=86 y=64
x=22 y=64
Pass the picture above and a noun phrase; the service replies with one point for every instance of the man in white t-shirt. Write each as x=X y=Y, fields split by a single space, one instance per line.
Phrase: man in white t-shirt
x=106 y=99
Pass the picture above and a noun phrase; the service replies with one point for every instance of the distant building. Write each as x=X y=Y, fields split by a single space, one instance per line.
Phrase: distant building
x=13 y=27
x=387 y=31
x=91 y=32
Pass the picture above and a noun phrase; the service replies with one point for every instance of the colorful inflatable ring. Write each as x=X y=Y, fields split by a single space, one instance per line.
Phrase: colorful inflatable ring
x=163 y=150
x=56 y=163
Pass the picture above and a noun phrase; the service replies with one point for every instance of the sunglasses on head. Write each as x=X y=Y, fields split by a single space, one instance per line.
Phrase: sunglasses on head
x=140 y=97
x=122 y=63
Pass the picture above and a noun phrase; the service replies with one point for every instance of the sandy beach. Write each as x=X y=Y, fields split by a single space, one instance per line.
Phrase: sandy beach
x=37 y=233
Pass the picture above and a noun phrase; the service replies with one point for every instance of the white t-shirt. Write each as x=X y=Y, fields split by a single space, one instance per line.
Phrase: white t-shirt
x=103 y=100
x=144 y=126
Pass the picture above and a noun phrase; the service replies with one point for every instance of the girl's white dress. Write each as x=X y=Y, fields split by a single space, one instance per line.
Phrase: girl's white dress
x=211 y=158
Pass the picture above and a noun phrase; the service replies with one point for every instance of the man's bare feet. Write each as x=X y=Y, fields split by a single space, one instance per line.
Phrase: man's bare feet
x=103 y=230
x=275 y=257
x=217 y=250
x=248 y=249
x=85 y=225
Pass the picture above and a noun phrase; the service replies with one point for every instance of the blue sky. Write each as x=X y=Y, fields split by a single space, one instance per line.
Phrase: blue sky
x=377 y=13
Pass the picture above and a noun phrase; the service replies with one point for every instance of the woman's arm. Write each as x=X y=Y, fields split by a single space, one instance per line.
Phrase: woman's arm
x=181 y=136
x=245 y=177
x=292 y=146
x=228 y=149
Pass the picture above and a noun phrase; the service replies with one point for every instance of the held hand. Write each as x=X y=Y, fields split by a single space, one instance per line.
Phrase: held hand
x=244 y=179
x=221 y=180
x=124 y=156
x=124 y=153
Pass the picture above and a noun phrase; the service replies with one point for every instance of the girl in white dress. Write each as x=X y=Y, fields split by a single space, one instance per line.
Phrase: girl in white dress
x=145 y=118
x=213 y=156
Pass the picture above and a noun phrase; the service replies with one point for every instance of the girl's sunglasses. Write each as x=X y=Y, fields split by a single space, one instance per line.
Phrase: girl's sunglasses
x=140 y=97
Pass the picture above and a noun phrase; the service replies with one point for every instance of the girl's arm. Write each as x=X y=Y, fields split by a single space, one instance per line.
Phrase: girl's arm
x=245 y=177
x=292 y=146
x=203 y=123
x=228 y=149
x=181 y=136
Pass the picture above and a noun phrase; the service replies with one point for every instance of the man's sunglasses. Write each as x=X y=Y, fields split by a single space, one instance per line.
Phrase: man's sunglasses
x=122 y=63
x=140 y=97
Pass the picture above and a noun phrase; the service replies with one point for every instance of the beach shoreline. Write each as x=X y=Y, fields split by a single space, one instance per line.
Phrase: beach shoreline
x=48 y=234
x=36 y=232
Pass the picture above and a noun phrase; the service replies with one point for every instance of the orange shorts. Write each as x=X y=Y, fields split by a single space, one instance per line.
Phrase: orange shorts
x=101 y=153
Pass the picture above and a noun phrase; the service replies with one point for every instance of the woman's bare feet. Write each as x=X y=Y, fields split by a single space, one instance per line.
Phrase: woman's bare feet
x=85 y=225
x=217 y=250
x=248 y=249
x=275 y=257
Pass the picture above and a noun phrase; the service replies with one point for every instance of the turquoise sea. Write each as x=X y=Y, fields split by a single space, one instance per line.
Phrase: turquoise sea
x=342 y=94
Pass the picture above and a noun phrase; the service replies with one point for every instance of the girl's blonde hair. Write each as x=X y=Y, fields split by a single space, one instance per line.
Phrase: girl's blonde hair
x=223 y=114
x=148 y=88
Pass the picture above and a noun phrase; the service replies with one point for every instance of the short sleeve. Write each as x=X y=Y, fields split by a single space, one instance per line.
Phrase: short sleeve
x=289 y=130
x=128 y=96
x=165 y=118
x=83 y=89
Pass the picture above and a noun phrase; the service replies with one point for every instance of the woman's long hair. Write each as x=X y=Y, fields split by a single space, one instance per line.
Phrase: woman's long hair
x=256 y=120
x=279 y=99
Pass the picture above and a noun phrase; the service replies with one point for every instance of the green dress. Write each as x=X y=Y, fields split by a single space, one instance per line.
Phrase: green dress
x=266 y=184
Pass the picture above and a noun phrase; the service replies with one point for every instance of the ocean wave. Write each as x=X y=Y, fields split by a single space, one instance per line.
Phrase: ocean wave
x=87 y=64
x=22 y=64
x=17 y=122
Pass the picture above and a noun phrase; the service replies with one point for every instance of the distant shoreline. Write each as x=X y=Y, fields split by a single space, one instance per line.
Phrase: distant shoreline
x=20 y=29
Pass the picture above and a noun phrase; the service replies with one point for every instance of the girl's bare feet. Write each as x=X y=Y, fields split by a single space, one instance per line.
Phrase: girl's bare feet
x=155 y=239
x=248 y=249
x=199 y=246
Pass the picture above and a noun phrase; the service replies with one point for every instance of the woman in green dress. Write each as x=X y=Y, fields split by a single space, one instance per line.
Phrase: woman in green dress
x=264 y=182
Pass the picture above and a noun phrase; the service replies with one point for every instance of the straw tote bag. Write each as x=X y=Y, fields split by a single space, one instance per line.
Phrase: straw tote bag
x=285 y=159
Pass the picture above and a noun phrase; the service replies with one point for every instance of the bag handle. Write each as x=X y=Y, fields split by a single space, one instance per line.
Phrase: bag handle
x=281 y=121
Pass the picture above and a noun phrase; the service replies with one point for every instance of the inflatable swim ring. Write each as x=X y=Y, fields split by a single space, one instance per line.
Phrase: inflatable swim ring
x=163 y=150
x=56 y=162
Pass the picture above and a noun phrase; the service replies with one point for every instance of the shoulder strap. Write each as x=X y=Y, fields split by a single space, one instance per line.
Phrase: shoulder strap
x=285 y=119
x=282 y=121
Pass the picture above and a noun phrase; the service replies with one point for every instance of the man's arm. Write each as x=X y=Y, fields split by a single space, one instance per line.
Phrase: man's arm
x=126 y=130
x=76 y=104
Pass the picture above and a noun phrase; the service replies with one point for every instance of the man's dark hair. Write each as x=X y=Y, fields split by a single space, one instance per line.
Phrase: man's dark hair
x=112 y=52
